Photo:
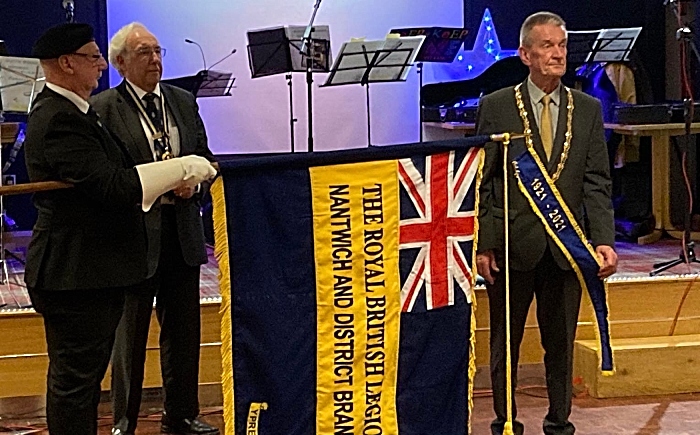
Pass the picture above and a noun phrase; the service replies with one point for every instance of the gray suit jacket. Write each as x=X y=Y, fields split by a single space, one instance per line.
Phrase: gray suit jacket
x=584 y=183
x=119 y=112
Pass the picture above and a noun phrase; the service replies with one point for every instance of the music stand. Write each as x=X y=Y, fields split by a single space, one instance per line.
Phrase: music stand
x=441 y=45
x=20 y=80
x=206 y=83
x=365 y=62
x=604 y=45
x=277 y=51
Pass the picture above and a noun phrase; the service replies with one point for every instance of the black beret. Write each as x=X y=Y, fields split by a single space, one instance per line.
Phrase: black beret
x=62 y=39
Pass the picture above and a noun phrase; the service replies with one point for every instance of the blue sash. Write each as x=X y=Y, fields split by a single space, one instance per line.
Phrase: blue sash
x=549 y=206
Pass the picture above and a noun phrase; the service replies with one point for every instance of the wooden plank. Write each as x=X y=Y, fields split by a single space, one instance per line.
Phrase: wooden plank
x=22 y=332
x=670 y=129
x=644 y=366
x=24 y=361
x=639 y=307
x=24 y=375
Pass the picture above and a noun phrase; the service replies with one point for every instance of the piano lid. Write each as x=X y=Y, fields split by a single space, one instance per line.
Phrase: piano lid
x=505 y=72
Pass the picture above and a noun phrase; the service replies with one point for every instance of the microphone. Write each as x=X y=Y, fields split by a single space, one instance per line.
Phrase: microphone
x=69 y=7
x=189 y=41
x=223 y=58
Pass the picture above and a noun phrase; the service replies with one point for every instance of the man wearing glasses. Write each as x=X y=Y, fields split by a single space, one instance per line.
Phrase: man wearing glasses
x=88 y=246
x=157 y=122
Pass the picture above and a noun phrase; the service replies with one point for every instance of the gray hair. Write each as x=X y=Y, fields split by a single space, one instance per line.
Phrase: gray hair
x=117 y=45
x=537 y=19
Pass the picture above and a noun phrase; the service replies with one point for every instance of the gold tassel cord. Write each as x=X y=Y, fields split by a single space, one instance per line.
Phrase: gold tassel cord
x=221 y=251
x=508 y=427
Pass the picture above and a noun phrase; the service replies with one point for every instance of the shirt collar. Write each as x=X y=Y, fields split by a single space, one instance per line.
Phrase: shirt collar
x=140 y=92
x=82 y=105
x=536 y=93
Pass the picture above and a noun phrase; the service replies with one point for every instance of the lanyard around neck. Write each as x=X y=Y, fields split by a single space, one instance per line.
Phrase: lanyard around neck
x=161 y=139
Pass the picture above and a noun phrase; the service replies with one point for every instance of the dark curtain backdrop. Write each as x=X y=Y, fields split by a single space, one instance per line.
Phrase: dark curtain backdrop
x=584 y=15
x=21 y=23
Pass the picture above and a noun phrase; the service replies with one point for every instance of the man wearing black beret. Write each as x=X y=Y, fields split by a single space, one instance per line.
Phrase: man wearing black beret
x=88 y=244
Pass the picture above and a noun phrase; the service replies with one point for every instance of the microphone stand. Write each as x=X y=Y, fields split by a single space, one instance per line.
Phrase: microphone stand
x=201 y=52
x=307 y=52
x=685 y=37
x=292 y=119
x=223 y=58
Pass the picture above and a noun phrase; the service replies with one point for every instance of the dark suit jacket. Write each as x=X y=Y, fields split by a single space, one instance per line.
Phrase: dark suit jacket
x=119 y=112
x=584 y=183
x=90 y=236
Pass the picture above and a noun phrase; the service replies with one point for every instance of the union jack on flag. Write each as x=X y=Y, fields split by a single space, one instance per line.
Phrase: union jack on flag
x=437 y=228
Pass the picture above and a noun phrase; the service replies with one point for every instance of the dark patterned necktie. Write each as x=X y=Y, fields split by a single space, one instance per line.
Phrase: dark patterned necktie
x=153 y=111
x=156 y=117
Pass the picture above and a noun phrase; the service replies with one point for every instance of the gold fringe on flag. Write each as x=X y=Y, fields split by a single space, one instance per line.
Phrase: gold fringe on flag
x=472 y=324
x=221 y=251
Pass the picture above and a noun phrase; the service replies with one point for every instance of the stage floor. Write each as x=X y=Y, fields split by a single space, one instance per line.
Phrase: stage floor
x=13 y=294
x=635 y=261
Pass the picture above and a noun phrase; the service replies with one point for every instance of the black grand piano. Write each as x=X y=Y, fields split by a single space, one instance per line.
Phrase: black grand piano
x=457 y=101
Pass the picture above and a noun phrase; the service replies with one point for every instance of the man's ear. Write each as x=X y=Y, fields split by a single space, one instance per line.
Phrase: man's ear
x=65 y=63
x=120 y=62
x=524 y=55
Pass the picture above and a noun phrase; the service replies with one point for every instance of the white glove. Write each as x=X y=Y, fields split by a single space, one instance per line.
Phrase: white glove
x=197 y=169
x=160 y=177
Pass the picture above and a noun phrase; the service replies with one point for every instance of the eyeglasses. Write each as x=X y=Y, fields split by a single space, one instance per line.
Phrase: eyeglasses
x=93 y=57
x=149 y=51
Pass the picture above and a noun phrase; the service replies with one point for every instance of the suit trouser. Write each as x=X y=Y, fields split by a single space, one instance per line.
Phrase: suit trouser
x=558 y=296
x=79 y=327
x=175 y=287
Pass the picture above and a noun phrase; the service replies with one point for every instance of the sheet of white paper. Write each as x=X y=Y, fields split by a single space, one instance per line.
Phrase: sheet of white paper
x=603 y=45
x=295 y=35
x=21 y=79
x=616 y=44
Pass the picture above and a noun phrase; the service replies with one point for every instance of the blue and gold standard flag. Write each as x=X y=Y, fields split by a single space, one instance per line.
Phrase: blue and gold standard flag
x=346 y=284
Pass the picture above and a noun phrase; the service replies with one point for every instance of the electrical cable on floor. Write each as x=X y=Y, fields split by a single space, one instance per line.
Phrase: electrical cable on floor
x=524 y=390
x=17 y=430
x=26 y=414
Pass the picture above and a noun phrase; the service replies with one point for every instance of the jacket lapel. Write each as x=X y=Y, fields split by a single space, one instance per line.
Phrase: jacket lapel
x=558 y=145
x=138 y=147
x=174 y=109
x=536 y=138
